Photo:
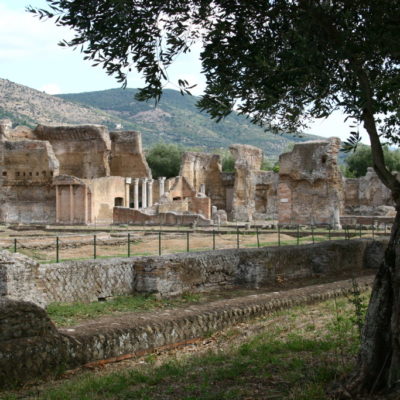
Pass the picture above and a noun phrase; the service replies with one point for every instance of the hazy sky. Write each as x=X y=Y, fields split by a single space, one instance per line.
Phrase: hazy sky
x=29 y=55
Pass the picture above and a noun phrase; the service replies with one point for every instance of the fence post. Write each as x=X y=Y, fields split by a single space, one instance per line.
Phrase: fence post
x=298 y=234
x=187 y=241
x=329 y=232
x=258 y=237
x=373 y=229
x=312 y=233
x=94 y=247
x=57 y=249
x=237 y=237
x=15 y=245
x=279 y=235
x=360 y=230
x=213 y=239
x=129 y=244
x=159 y=243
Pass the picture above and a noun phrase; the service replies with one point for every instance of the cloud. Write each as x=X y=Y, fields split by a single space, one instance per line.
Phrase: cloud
x=23 y=35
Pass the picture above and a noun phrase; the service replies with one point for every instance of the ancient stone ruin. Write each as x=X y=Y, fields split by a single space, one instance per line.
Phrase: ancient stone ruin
x=310 y=184
x=88 y=175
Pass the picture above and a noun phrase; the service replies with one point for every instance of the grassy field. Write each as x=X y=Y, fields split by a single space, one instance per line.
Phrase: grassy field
x=67 y=314
x=298 y=354
x=75 y=246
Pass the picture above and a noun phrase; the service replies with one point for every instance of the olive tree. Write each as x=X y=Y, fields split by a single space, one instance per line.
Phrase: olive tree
x=280 y=62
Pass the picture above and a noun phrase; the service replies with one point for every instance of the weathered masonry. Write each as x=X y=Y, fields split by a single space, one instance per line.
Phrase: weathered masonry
x=22 y=278
x=31 y=346
x=88 y=175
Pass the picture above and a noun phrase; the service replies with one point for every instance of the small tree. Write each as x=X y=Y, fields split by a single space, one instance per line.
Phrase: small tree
x=164 y=159
x=358 y=162
x=280 y=62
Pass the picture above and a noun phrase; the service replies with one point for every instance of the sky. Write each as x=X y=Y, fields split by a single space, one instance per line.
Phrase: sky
x=30 y=55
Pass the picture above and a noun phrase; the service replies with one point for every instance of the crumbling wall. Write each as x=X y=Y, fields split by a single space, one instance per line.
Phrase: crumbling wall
x=127 y=158
x=266 y=195
x=174 y=218
x=104 y=192
x=204 y=170
x=366 y=195
x=180 y=188
x=83 y=151
x=30 y=345
x=248 y=161
x=310 y=184
x=173 y=274
x=18 y=133
x=27 y=168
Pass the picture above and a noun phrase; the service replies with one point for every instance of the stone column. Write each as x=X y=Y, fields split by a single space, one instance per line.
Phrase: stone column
x=136 y=193
x=85 y=204
x=128 y=182
x=144 y=192
x=57 y=205
x=71 y=204
x=161 y=182
x=150 y=192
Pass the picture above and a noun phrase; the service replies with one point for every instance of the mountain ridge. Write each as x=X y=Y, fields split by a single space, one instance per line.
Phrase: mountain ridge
x=175 y=119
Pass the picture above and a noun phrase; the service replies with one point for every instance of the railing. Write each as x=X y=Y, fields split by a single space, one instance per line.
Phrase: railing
x=139 y=242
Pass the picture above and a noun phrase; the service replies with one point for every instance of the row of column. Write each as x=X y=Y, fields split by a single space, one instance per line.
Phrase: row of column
x=147 y=191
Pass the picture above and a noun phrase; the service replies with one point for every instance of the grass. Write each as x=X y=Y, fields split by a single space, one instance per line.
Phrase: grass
x=64 y=314
x=320 y=235
x=295 y=355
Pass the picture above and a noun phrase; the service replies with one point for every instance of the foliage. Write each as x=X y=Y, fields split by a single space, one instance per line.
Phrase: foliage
x=360 y=308
x=256 y=57
x=227 y=162
x=165 y=159
x=358 y=162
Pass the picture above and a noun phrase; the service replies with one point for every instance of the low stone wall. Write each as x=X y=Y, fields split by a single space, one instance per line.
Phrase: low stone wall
x=131 y=216
x=24 y=279
x=366 y=220
x=31 y=347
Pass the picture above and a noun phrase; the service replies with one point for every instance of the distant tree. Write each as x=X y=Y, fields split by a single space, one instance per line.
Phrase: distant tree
x=164 y=159
x=358 y=162
x=280 y=62
x=266 y=165
x=228 y=162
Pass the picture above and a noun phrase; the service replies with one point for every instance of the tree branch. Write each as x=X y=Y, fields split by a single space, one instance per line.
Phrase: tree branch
x=378 y=157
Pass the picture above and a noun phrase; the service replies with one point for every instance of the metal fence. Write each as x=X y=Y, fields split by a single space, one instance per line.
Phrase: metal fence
x=139 y=242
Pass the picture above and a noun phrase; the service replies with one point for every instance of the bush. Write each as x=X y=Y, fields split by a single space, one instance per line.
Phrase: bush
x=228 y=162
x=358 y=162
x=165 y=159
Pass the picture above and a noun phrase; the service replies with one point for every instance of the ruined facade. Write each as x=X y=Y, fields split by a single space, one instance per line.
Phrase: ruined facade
x=367 y=196
x=310 y=184
x=87 y=175
x=79 y=174
x=246 y=194
x=27 y=168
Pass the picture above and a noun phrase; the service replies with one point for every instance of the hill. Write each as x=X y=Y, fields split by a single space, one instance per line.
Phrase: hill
x=175 y=119
x=30 y=107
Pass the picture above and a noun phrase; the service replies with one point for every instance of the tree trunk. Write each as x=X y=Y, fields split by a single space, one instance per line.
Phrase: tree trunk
x=379 y=358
